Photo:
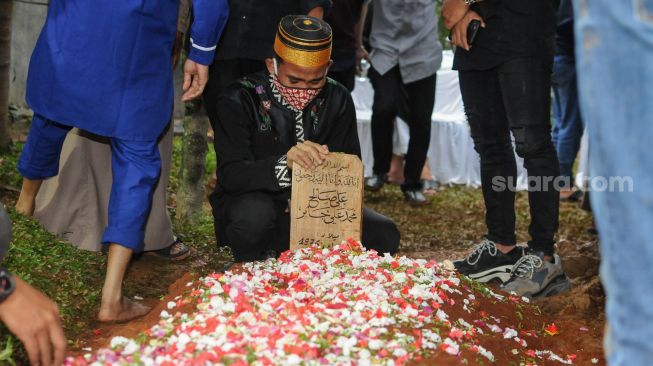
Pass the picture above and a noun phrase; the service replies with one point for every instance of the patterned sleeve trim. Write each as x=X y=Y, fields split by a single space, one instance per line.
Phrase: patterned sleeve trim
x=281 y=172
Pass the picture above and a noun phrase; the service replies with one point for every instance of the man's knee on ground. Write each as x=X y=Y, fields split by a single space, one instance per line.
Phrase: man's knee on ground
x=254 y=215
x=380 y=233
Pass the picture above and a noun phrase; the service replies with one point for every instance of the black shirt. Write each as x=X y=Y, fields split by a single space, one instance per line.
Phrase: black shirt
x=565 y=29
x=514 y=29
x=344 y=16
x=256 y=130
x=253 y=24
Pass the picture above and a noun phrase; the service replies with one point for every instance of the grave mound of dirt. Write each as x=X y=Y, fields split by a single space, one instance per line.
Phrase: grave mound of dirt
x=345 y=305
x=586 y=300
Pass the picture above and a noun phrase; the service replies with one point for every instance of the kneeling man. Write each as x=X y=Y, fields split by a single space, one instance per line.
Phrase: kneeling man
x=270 y=121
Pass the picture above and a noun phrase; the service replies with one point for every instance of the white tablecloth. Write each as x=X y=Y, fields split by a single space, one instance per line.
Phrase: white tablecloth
x=452 y=157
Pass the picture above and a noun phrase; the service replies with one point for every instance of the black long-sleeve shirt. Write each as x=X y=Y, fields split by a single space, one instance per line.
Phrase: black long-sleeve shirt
x=256 y=130
x=514 y=28
x=252 y=25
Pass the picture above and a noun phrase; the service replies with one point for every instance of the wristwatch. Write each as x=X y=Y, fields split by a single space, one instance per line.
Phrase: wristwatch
x=469 y=2
x=7 y=284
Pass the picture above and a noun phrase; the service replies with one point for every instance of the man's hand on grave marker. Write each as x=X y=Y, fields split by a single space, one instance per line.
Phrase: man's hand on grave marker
x=307 y=154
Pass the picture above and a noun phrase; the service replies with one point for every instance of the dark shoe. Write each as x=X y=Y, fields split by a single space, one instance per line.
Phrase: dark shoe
x=571 y=195
x=592 y=228
x=175 y=252
x=374 y=183
x=486 y=263
x=534 y=277
x=415 y=197
x=269 y=254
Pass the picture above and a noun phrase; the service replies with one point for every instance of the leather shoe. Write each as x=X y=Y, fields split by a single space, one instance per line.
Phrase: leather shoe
x=374 y=183
x=415 y=197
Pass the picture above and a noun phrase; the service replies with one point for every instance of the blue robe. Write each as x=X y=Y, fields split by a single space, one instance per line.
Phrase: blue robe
x=105 y=66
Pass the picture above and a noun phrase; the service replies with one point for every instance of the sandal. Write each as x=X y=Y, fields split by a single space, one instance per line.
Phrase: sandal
x=573 y=195
x=174 y=252
x=430 y=187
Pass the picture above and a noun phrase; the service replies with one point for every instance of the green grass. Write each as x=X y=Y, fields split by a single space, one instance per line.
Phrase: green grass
x=455 y=219
x=175 y=170
x=200 y=233
x=8 y=159
x=452 y=222
x=73 y=278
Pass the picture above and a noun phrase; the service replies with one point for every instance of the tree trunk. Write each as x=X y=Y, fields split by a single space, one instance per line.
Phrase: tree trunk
x=6 y=7
x=194 y=149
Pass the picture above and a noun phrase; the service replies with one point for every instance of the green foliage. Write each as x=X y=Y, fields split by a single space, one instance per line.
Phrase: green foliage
x=6 y=356
x=9 y=176
x=69 y=276
x=443 y=33
x=73 y=278
x=177 y=145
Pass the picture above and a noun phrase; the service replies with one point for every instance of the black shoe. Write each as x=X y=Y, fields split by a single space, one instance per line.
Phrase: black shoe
x=486 y=262
x=415 y=197
x=375 y=182
x=270 y=254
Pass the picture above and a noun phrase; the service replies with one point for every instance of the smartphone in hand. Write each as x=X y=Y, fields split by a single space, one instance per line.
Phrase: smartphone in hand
x=472 y=31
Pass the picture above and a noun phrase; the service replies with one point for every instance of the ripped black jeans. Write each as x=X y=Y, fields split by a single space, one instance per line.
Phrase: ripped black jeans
x=514 y=97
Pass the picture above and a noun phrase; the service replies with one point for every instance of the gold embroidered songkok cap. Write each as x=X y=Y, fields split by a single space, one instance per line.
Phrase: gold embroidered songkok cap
x=304 y=41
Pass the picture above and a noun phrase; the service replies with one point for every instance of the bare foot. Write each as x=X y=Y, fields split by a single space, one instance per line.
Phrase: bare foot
x=122 y=311
x=25 y=207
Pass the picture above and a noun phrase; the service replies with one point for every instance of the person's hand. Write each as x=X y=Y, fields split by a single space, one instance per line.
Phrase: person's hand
x=317 y=12
x=459 y=31
x=453 y=12
x=361 y=54
x=34 y=319
x=307 y=154
x=195 y=78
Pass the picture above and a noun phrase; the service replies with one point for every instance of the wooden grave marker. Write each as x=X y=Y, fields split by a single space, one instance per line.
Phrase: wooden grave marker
x=326 y=203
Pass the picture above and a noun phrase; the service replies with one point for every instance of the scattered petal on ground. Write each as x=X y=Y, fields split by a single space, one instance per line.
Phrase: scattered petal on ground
x=315 y=306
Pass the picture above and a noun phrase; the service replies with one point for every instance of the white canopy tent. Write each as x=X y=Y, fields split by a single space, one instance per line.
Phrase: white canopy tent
x=452 y=157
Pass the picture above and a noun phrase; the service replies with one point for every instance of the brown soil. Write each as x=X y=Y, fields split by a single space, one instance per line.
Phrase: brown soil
x=146 y=281
x=577 y=314
x=105 y=332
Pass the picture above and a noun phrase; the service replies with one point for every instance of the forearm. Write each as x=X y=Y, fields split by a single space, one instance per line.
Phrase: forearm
x=315 y=8
x=453 y=11
x=210 y=18
x=317 y=12
x=360 y=26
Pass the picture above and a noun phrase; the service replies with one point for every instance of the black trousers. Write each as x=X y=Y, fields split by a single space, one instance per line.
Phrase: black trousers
x=223 y=73
x=254 y=223
x=345 y=77
x=390 y=92
x=514 y=97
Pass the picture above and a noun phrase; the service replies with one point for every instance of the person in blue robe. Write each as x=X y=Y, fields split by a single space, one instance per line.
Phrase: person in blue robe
x=106 y=67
